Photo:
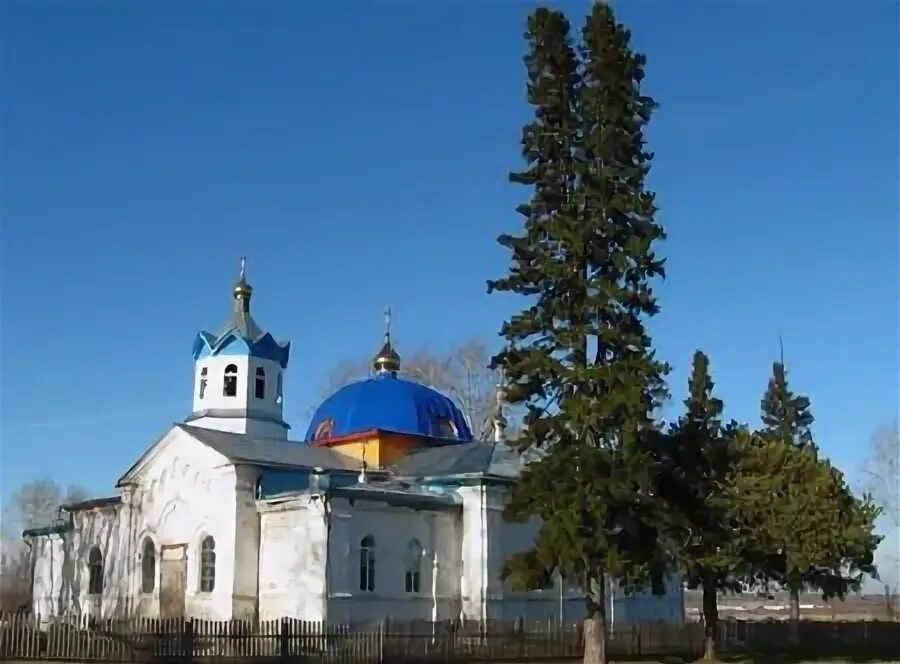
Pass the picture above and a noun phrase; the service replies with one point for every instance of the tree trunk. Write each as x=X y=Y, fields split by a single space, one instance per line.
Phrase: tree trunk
x=795 y=615
x=710 y=619
x=595 y=628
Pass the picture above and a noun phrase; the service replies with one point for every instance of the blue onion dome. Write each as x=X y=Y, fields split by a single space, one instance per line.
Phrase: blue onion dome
x=388 y=403
x=241 y=335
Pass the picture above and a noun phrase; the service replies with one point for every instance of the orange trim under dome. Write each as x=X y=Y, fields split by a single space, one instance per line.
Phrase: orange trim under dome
x=379 y=448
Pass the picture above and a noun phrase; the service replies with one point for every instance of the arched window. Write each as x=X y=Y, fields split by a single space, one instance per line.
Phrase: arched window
x=207 y=565
x=446 y=428
x=260 y=383
x=202 y=390
x=413 y=567
x=95 y=572
x=367 y=564
x=324 y=429
x=148 y=566
x=229 y=389
x=278 y=389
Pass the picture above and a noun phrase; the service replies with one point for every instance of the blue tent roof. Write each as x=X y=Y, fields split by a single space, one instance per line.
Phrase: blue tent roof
x=391 y=404
x=241 y=336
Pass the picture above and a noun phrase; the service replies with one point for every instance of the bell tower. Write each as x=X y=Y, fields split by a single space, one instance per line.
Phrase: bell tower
x=238 y=373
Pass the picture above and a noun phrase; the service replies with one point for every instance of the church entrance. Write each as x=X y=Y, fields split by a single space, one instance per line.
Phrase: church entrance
x=173 y=580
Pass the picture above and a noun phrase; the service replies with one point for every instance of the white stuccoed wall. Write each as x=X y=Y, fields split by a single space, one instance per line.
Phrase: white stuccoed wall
x=393 y=529
x=245 y=398
x=488 y=540
x=246 y=544
x=60 y=567
x=272 y=560
x=184 y=491
x=292 y=563
x=47 y=557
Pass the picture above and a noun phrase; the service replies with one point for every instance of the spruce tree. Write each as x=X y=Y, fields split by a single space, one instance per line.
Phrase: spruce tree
x=804 y=525
x=823 y=535
x=786 y=418
x=697 y=464
x=578 y=357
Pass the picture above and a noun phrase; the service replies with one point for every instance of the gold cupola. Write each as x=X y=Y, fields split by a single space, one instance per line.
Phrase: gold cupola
x=387 y=361
x=242 y=290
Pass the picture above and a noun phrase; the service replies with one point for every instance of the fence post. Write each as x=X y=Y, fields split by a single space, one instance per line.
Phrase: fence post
x=284 y=647
x=187 y=640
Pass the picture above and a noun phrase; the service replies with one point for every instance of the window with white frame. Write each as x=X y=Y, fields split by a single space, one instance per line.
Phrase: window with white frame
x=367 y=564
x=207 y=565
x=229 y=387
x=413 y=576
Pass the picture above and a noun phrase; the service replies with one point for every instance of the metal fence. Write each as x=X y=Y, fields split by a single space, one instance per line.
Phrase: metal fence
x=84 y=639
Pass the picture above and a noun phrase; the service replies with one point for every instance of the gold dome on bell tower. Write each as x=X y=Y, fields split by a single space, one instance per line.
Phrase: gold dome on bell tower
x=387 y=360
x=242 y=290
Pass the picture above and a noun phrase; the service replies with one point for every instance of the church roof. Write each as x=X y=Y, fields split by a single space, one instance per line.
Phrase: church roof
x=92 y=503
x=496 y=460
x=400 y=494
x=239 y=447
x=388 y=403
x=241 y=335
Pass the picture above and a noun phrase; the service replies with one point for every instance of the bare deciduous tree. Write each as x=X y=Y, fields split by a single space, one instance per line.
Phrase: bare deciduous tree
x=881 y=472
x=881 y=479
x=32 y=505
x=461 y=373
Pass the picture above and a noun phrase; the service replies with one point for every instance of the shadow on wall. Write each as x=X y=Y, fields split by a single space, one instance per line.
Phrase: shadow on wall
x=68 y=568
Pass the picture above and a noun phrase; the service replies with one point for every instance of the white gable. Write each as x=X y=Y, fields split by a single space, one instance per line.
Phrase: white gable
x=175 y=444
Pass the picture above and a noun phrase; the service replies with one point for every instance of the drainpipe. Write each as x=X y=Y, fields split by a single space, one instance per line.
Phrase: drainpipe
x=611 y=593
x=129 y=604
x=31 y=572
x=562 y=596
x=326 y=515
x=434 y=608
x=485 y=568
x=434 y=568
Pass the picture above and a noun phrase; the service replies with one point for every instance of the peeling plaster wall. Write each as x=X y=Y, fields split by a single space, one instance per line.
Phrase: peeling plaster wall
x=246 y=545
x=47 y=569
x=185 y=493
x=393 y=529
x=182 y=492
x=292 y=564
x=96 y=528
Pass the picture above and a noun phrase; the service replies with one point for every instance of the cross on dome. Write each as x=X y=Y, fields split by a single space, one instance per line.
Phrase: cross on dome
x=387 y=361
x=242 y=291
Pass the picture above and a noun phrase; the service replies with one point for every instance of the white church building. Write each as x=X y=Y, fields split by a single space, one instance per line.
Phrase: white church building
x=386 y=508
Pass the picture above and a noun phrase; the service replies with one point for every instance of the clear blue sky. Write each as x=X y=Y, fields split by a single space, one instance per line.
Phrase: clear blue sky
x=358 y=154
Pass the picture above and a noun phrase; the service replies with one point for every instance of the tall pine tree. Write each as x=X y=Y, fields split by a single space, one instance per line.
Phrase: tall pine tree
x=697 y=462
x=578 y=357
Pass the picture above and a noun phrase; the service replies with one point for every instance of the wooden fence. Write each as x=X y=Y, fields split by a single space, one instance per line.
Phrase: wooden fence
x=27 y=638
